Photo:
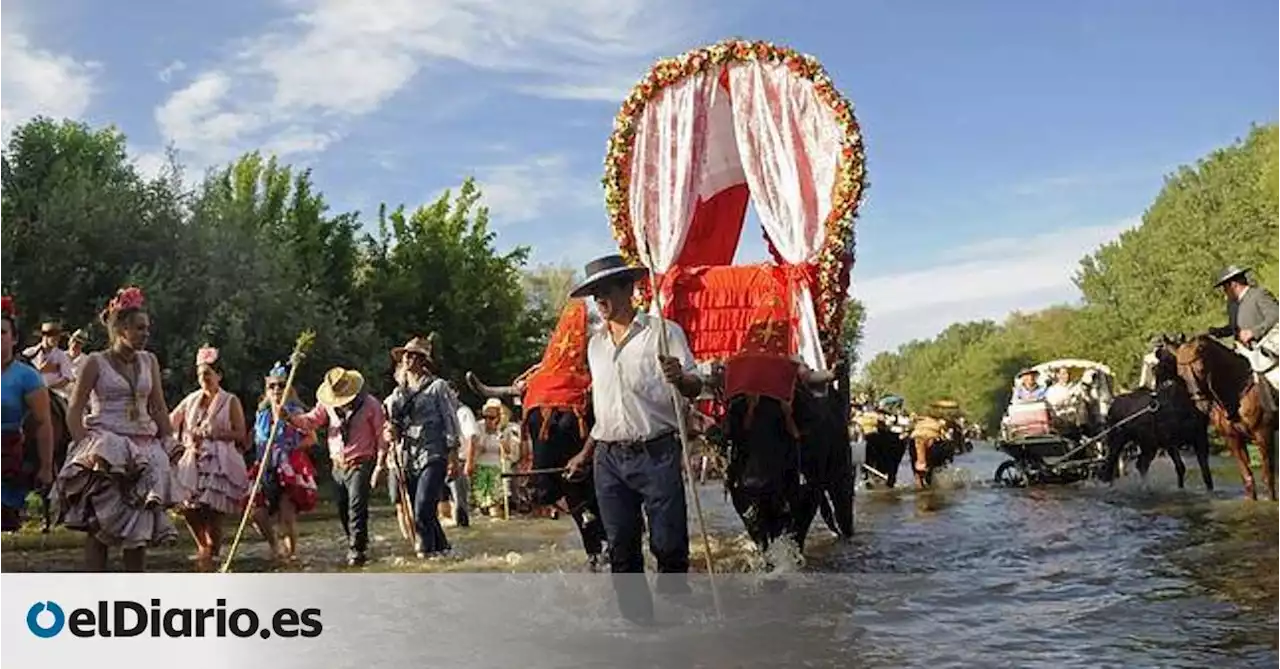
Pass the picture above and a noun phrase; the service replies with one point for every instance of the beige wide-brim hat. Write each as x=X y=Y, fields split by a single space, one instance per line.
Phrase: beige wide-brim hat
x=416 y=345
x=492 y=404
x=428 y=347
x=340 y=387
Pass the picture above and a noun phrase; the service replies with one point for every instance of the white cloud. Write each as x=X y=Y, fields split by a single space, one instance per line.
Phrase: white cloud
x=166 y=74
x=40 y=82
x=529 y=190
x=986 y=280
x=337 y=60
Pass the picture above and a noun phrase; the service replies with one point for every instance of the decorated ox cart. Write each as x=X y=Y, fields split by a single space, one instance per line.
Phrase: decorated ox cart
x=699 y=138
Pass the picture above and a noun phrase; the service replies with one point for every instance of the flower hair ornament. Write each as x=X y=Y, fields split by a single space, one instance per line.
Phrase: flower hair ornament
x=6 y=306
x=126 y=298
x=207 y=355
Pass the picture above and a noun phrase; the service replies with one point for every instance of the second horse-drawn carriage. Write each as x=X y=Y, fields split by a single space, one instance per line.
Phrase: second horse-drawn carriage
x=1054 y=429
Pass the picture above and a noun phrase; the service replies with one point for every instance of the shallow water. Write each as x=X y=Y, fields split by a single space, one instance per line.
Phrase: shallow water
x=1135 y=575
x=966 y=575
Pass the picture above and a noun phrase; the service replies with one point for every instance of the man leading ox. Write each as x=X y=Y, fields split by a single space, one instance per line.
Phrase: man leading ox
x=634 y=442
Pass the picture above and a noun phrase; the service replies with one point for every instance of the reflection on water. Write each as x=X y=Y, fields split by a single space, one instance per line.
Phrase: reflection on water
x=1089 y=575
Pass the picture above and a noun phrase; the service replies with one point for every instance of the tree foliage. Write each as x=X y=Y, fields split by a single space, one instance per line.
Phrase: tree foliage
x=250 y=257
x=1155 y=278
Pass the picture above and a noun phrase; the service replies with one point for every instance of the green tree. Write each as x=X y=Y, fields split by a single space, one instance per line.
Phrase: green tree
x=1153 y=279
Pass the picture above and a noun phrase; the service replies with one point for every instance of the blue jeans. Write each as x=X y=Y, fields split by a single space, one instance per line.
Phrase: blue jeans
x=634 y=479
x=426 y=488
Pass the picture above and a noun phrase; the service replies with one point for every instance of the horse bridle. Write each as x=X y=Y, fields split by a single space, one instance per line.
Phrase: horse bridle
x=1197 y=395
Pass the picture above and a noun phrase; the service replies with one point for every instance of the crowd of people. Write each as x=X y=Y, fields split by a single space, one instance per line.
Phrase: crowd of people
x=134 y=460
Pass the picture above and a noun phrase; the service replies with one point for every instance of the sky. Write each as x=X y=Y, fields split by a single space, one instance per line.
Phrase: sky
x=1005 y=139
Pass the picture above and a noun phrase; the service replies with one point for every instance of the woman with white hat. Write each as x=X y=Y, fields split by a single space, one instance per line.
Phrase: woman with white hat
x=423 y=430
x=493 y=453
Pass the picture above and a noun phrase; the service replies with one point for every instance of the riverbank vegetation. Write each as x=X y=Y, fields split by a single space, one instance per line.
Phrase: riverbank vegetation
x=1153 y=279
x=251 y=254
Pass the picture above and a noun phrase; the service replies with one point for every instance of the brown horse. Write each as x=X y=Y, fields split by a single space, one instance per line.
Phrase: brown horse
x=61 y=443
x=1223 y=387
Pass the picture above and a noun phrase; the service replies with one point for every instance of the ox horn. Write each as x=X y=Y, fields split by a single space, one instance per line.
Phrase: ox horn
x=490 y=391
x=816 y=378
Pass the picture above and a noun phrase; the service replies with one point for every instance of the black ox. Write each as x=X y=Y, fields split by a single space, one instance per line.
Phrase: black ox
x=782 y=471
x=557 y=435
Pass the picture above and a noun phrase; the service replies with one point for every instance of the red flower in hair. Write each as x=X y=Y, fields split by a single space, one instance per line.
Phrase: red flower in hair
x=6 y=306
x=127 y=298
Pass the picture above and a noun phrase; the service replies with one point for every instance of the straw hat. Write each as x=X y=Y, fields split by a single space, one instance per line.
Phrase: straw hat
x=340 y=387
x=80 y=336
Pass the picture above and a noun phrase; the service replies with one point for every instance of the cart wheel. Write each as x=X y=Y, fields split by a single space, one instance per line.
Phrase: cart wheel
x=1010 y=475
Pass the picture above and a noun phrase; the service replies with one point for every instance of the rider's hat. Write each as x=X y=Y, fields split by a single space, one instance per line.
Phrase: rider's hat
x=603 y=269
x=1230 y=273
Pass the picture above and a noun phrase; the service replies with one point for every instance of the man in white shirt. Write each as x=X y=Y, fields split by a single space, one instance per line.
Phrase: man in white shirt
x=75 y=352
x=51 y=361
x=460 y=485
x=638 y=462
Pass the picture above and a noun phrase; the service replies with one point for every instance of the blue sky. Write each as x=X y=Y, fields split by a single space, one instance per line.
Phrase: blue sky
x=1004 y=139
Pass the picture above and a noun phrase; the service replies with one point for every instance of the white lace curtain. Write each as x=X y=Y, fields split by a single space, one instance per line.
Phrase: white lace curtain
x=789 y=143
x=777 y=134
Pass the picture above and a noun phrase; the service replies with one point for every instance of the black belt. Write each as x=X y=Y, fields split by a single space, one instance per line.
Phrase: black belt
x=638 y=445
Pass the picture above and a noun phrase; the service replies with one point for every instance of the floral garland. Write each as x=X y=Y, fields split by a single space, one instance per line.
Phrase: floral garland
x=835 y=259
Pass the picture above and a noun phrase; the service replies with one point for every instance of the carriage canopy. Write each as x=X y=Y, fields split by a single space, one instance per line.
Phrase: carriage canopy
x=1077 y=366
x=707 y=132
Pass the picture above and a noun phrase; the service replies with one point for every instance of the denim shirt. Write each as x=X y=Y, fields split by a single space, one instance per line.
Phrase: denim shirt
x=426 y=418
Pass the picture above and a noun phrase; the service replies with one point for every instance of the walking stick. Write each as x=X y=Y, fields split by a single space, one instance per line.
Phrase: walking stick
x=300 y=347
x=683 y=427
x=402 y=500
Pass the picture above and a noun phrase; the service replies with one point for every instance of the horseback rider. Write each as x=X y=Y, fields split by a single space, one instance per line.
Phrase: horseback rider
x=1252 y=313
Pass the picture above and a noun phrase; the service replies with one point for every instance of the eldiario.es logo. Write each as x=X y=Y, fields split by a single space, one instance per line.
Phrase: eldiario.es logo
x=124 y=618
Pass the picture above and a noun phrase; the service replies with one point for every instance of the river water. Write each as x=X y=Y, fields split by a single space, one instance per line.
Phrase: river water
x=1135 y=575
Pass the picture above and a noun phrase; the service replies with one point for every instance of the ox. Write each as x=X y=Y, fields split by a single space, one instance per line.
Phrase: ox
x=788 y=461
x=556 y=396
x=557 y=435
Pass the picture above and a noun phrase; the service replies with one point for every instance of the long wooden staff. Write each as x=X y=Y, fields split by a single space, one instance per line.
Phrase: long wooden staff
x=683 y=427
x=300 y=347
x=404 y=505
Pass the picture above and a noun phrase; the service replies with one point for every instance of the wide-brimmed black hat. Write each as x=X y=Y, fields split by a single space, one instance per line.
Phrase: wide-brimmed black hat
x=1231 y=272
x=603 y=269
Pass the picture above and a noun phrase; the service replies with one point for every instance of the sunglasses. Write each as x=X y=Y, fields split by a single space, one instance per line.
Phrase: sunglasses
x=275 y=385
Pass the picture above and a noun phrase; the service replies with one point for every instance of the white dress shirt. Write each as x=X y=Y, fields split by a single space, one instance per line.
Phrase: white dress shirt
x=631 y=399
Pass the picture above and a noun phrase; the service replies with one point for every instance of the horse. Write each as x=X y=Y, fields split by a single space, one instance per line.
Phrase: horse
x=1223 y=387
x=1169 y=424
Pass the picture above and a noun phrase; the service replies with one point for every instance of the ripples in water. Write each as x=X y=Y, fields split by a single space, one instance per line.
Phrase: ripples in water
x=1139 y=574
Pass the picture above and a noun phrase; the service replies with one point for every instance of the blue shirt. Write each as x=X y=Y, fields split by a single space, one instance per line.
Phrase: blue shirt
x=17 y=382
x=1035 y=394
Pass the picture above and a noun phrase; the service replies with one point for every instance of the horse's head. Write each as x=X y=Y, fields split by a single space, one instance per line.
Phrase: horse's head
x=1190 y=361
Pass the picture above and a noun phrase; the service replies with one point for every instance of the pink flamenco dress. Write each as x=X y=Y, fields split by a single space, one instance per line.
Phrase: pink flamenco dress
x=117 y=483
x=211 y=473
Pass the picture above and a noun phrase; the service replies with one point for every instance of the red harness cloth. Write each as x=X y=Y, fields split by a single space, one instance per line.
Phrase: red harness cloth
x=562 y=380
